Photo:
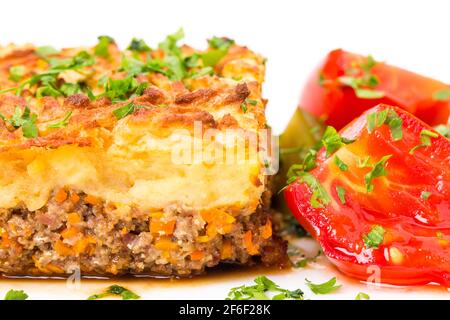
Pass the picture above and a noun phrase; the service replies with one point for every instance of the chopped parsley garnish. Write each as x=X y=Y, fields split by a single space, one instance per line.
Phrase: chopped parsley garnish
x=425 y=140
x=425 y=194
x=363 y=162
x=363 y=84
x=202 y=72
x=126 y=110
x=16 y=295
x=45 y=51
x=244 y=107
x=331 y=140
x=323 y=288
x=341 y=193
x=442 y=95
x=320 y=196
x=16 y=73
x=218 y=49
x=298 y=258
x=389 y=117
x=123 y=89
x=47 y=82
x=138 y=45
x=173 y=58
x=439 y=235
x=263 y=286
x=220 y=43
x=102 y=47
x=378 y=170
x=24 y=119
x=63 y=123
x=375 y=237
x=341 y=165
x=116 y=290
x=362 y=296
x=443 y=130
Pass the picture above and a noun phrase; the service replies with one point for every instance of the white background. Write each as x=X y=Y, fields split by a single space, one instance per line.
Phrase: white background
x=293 y=35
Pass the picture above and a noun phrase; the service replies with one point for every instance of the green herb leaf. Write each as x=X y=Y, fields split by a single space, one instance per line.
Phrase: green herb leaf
x=368 y=93
x=46 y=51
x=220 y=43
x=102 y=47
x=331 y=140
x=389 y=117
x=378 y=170
x=362 y=296
x=442 y=95
x=69 y=89
x=375 y=237
x=16 y=73
x=63 y=123
x=443 y=130
x=320 y=196
x=218 y=49
x=138 y=45
x=341 y=194
x=363 y=162
x=244 y=107
x=425 y=195
x=260 y=290
x=125 y=110
x=16 y=295
x=202 y=72
x=362 y=84
x=116 y=290
x=341 y=165
x=24 y=119
x=323 y=288
x=425 y=139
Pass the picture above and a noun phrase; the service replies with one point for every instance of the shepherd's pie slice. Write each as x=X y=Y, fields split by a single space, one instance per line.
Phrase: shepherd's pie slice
x=118 y=162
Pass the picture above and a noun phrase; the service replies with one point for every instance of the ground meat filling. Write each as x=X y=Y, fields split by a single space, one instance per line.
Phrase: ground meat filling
x=75 y=231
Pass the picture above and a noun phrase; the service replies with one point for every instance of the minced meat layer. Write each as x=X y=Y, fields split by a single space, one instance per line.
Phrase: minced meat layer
x=78 y=231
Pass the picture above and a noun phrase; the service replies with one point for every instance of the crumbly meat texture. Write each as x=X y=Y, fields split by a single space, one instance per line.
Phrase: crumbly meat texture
x=89 y=179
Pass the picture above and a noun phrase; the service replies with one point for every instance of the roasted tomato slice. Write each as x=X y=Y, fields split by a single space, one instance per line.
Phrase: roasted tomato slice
x=347 y=84
x=380 y=202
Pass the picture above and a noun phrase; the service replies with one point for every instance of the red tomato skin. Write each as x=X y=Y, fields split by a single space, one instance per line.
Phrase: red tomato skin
x=338 y=105
x=339 y=227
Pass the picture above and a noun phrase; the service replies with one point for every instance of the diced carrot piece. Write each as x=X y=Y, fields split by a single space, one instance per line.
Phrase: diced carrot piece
x=62 y=249
x=217 y=216
x=92 y=200
x=70 y=232
x=61 y=196
x=211 y=230
x=6 y=242
x=227 y=250
x=197 y=255
x=202 y=239
x=226 y=229
x=266 y=230
x=165 y=244
x=82 y=244
x=161 y=227
x=73 y=218
x=156 y=215
x=74 y=198
x=53 y=268
x=252 y=249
